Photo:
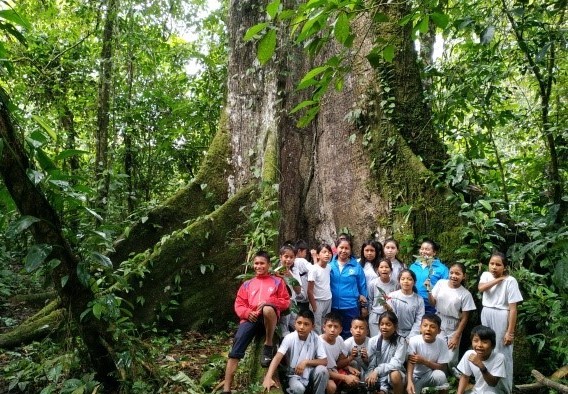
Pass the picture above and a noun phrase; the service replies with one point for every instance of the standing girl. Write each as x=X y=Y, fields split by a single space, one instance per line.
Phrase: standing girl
x=319 y=291
x=407 y=305
x=500 y=296
x=453 y=303
x=285 y=270
x=387 y=353
x=391 y=252
x=380 y=286
x=371 y=254
x=348 y=285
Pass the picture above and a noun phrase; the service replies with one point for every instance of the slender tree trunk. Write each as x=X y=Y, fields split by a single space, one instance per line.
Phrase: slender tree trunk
x=103 y=109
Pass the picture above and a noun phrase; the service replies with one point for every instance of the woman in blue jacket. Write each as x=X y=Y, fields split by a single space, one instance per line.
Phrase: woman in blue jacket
x=348 y=285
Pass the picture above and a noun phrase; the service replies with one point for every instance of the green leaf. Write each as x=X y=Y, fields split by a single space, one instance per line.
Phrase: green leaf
x=485 y=204
x=101 y=259
x=303 y=104
x=308 y=79
x=254 y=30
x=272 y=8
x=44 y=125
x=98 y=310
x=266 y=46
x=14 y=17
x=20 y=225
x=64 y=280
x=440 y=19
x=388 y=53
x=69 y=153
x=342 y=29
x=422 y=25
x=36 y=255
x=374 y=58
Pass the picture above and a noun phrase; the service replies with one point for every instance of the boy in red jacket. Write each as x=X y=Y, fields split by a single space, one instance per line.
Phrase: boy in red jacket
x=259 y=302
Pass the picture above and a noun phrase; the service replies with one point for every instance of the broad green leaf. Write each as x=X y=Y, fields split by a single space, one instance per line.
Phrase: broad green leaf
x=98 y=310
x=44 y=125
x=485 y=204
x=309 y=77
x=342 y=29
x=36 y=256
x=374 y=58
x=14 y=17
x=101 y=259
x=20 y=225
x=254 y=30
x=312 y=26
x=44 y=160
x=388 y=53
x=69 y=153
x=272 y=8
x=303 y=104
x=308 y=117
x=266 y=46
x=422 y=25
x=440 y=19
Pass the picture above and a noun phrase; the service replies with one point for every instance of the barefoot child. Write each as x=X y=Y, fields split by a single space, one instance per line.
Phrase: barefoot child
x=305 y=358
x=500 y=297
x=340 y=374
x=486 y=365
x=259 y=303
x=428 y=357
x=387 y=352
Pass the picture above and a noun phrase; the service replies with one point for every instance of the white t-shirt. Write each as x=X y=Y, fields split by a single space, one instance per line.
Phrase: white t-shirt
x=502 y=294
x=370 y=274
x=495 y=364
x=321 y=278
x=436 y=351
x=333 y=350
x=450 y=302
x=297 y=350
x=301 y=268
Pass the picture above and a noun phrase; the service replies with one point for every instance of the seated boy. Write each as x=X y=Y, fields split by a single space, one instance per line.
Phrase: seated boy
x=259 y=302
x=336 y=355
x=357 y=346
x=304 y=356
x=487 y=366
x=428 y=357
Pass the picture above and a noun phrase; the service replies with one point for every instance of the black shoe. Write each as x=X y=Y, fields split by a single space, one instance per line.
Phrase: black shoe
x=266 y=357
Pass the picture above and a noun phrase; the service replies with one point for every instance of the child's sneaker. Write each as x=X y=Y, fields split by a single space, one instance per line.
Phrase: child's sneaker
x=266 y=356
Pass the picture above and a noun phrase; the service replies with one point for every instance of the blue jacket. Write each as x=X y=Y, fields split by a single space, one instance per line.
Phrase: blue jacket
x=347 y=286
x=439 y=271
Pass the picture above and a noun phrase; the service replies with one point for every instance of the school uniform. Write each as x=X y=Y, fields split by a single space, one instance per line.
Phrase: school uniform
x=385 y=357
x=370 y=274
x=436 y=271
x=397 y=267
x=358 y=361
x=322 y=293
x=333 y=351
x=437 y=352
x=495 y=314
x=301 y=268
x=450 y=303
x=495 y=364
x=295 y=351
x=375 y=307
x=409 y=310
x=286 y=321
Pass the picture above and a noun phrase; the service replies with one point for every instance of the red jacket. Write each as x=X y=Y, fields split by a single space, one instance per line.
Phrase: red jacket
x=269 y=289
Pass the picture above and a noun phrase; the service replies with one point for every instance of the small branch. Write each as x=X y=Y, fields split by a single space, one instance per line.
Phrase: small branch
x=540 y=378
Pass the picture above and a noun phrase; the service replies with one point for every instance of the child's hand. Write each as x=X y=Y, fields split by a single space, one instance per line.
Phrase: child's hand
x=476 y=360
x=354 y=352
x=508 y=339
x=364 y=354
x=372 y=378
x=253 y=316
x=416 y=359
x=268 y=383
x=454 y=342
x=299 y=370
x=353 y=371
x=410 y=387
x=350 y=380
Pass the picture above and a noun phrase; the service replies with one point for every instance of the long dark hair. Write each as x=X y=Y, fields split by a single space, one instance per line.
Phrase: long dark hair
x=392 y=317
x=378 y=254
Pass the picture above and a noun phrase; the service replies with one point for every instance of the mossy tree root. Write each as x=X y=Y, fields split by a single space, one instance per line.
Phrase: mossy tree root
x=32 y=329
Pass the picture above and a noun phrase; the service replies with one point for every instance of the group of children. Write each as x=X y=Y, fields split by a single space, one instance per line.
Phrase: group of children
x=361 y=328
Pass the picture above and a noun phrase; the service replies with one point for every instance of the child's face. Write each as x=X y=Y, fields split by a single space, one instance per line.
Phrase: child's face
x=303 y=326
x=324 y=255
x=369 y=253
x=496 y=266
x=390 y=250
x=406 y=281
x=482 y=347
x=343 y=250
x=331 y=329
x=261 y=265
x=387 y=327
x=427 y=250
x=358 y=330
x=456 y=276
x=384 y=269
x=429 y=330
x=287 y=258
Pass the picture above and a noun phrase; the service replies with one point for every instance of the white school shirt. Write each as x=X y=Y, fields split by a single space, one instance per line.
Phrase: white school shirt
x=495 y=364
x=297 y=350
x=502 y=294
x=370 y=274
x=436 y=351
x=375 y=294
x=409 y=309
x=451 y=302
x=322 y=281
x=357 y=362
x=333 y=351
x=302 y=267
